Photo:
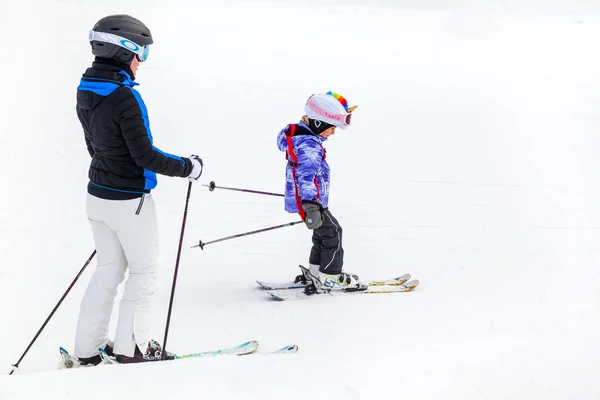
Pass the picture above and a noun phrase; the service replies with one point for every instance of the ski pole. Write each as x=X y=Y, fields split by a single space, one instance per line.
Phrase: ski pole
x=201 y=244
x=185 y=211
x=16 y=366
x=212 y=186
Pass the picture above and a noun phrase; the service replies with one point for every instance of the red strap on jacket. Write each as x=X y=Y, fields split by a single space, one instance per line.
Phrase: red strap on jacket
x=289 y=154
x=293 y=160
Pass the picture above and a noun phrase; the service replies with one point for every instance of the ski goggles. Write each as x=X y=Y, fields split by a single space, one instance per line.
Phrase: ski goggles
x=141 y=52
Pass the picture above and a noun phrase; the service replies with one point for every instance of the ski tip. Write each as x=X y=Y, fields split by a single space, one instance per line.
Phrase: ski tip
x=263 y=285
x=274 y=296
x=291 y=349
x=67 y=360
x=286 y=350
x=412 y=284
x=404 y=277
x=303 y=269
x=280 y=286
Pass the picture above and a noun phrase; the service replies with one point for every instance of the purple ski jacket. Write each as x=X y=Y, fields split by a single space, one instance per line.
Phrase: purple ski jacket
x=309 y=179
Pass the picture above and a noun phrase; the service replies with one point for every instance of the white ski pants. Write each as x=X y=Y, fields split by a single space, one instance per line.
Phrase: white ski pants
x=126 y=237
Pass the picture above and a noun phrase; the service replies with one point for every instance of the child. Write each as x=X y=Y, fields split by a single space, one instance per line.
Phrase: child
x=307 y=190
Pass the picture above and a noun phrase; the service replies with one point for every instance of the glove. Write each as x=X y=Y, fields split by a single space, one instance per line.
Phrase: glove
x=313 y=217
x=197 y=168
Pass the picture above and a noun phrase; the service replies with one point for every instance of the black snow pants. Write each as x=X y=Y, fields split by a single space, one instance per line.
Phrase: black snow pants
x=327 y=250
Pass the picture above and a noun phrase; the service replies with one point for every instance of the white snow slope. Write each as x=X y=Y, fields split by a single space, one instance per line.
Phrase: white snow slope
x=472 y=163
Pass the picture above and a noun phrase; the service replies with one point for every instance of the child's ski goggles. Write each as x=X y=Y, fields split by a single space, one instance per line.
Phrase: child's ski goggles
x=141 y=52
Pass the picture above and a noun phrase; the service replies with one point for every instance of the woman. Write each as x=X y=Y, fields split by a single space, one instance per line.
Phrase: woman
x=120 y=207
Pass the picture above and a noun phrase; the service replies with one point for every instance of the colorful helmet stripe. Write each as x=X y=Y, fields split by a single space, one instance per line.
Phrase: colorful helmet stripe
x=340 y=98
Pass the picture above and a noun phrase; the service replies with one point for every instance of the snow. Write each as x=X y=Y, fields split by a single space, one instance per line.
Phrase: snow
x=471 y=164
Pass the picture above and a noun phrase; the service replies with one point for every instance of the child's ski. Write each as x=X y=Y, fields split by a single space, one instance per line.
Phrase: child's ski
x=292 y=294
x=292 y=285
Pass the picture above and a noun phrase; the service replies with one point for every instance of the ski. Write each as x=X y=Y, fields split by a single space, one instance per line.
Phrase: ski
x=292 y=294
x=70 y=361
x=240 y=350
x=243 y=349
x=293 y=285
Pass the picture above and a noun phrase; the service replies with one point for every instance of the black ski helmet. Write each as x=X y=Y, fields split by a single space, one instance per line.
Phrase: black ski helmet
x=125 y=26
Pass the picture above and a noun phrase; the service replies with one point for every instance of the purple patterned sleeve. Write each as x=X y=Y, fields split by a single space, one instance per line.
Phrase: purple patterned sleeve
x=310 y=156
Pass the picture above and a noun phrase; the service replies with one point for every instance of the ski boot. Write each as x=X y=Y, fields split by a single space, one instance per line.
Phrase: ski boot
x=153 y=353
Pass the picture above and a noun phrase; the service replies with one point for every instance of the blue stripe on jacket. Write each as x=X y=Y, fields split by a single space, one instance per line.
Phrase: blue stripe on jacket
x=102 y=88
x=150 y=176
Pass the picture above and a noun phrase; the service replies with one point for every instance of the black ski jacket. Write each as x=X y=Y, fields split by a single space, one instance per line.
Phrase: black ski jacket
x=117 y=134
